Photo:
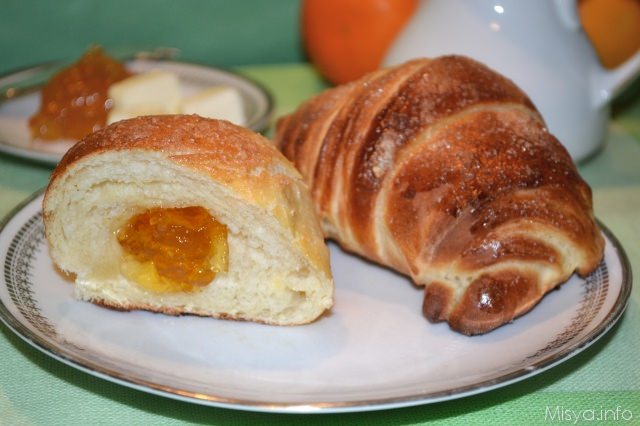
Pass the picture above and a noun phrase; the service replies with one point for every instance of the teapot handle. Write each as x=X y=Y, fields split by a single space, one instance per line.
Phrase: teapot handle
x=609 y=83
x=567 y=11
x=605 y=84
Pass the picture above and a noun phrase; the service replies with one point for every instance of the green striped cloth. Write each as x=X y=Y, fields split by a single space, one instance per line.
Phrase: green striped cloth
x=603 y=381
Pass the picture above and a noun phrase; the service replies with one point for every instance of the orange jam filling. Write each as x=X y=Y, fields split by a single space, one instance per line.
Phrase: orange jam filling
x=75 y=102
x=173 y=249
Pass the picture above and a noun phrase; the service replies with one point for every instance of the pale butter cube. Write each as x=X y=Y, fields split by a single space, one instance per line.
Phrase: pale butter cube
x=221 y=102
x=154 y=92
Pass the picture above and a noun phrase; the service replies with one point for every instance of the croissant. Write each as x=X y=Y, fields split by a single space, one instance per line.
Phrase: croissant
x=443 y=170
x=186 y=215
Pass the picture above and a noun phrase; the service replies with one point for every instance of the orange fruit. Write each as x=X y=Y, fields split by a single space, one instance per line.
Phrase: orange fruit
x=345 y=39
x=613 y=26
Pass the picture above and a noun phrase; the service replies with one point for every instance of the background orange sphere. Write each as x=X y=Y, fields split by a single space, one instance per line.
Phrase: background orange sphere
x=613 y=27
x=345 y=39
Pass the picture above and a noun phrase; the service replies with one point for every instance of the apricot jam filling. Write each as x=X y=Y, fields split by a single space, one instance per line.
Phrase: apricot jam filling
x=173 y=249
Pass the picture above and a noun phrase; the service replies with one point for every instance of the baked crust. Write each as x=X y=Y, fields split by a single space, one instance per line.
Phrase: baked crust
x=172 y=311
x=444 y=170
x=193 y=141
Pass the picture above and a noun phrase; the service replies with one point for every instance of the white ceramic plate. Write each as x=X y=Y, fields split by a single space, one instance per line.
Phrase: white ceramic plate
x=373 y=351
x=15 y=111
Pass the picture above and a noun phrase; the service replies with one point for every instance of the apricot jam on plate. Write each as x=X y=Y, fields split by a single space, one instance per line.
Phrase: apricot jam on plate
x=74 y=102
x=173 y=249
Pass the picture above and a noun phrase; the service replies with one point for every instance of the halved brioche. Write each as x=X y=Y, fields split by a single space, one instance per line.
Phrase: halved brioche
x=278 y=267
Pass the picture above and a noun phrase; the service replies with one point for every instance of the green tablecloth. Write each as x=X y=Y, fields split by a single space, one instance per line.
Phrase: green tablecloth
x=36 y=389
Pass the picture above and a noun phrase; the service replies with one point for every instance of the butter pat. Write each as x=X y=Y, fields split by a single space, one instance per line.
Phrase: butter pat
x=221 y=102
x=154 y=92
x=158 y=92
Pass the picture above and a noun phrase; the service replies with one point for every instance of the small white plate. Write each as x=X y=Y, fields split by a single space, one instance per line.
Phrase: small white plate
x=15 y=137
x=373 y=351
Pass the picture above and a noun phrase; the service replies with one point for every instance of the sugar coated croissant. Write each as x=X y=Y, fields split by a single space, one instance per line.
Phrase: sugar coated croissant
x=443 y=170
x=181 y=214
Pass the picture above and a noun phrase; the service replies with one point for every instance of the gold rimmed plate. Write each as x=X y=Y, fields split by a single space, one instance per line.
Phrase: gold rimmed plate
x=373 y=351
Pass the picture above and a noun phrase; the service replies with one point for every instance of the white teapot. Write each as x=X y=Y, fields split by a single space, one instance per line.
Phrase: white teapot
x=540 y=45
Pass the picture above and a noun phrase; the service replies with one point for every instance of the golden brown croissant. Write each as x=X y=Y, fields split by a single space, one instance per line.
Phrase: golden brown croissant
x=443 y=170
